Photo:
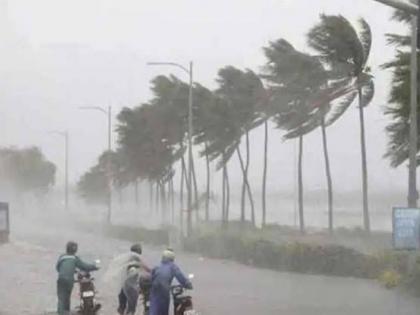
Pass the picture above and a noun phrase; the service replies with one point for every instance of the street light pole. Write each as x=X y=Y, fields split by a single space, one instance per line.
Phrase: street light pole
x=107 y=112
x=189 y=71
x=412 y=166
x=65 y=135
x=400 y=5
x=66 y=184
x=108 y=165
x=190 y=154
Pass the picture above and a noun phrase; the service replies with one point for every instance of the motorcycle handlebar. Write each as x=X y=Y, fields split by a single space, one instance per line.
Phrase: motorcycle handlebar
x=178 y=289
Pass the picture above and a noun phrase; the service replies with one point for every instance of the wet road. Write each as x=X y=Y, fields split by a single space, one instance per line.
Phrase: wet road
x=28 y=281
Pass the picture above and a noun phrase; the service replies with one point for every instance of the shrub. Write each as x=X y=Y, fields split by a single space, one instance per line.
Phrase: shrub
x=390 y=279
x=136 y=234
x=296 y=257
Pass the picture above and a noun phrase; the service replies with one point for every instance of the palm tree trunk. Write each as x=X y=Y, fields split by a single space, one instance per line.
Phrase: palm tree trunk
x=172 y=194
x=366 y=219
x=264 y=184
x=195 y=187
x=136 y=191
x=120 y=197
x=247 y=187
x=157 y=196
x=224 y=196
x=238 y=151
x=163 y=202
x=181 y=196
x=150 y=196
x=248 y=159
x=208 y=184
x=183 y=179
x=227 y=196
x=329 y=179
x=300 y=187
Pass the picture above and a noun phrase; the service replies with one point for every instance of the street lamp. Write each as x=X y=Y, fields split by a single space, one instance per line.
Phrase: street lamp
x=107 y=112
x=189 y=71
x=412 y=164
x=65 y=135
x=401 y=5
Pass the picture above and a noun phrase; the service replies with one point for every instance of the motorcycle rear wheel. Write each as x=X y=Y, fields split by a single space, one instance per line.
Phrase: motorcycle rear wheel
x=88 y=307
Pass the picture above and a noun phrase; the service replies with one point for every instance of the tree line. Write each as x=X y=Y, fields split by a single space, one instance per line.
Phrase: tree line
x=297 y=91
x=24 y=171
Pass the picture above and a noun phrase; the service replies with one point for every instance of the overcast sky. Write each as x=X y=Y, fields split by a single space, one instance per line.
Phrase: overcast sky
x=58 y=55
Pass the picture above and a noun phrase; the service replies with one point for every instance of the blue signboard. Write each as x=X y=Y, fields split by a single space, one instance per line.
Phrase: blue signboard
x=406 y=228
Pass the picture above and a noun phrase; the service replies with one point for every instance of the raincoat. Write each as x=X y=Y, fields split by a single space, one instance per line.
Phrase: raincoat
x=162 y=277
x=66 y=267
x=128 y=268
x=131 y=286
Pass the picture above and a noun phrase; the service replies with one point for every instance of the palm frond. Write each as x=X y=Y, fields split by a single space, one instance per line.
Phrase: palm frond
x=398 y=40
x=310 y=125
x=368 y=92
x=365 y=36
x=338 y=43
x=340 y=108
x=225 y=158
x=402 y=16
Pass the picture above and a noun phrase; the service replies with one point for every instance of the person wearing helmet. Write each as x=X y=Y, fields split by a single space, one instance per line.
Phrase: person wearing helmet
x=162 y=277
x=66 y=266
x=130 y=291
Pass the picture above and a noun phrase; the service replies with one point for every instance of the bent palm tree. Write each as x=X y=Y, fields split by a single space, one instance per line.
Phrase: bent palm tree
x=294 y=79
x=242 y=91
x=346 y=52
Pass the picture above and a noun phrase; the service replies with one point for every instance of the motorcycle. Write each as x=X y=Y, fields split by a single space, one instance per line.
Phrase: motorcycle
x=183 y=304
x=87 y=293
x=145 y=287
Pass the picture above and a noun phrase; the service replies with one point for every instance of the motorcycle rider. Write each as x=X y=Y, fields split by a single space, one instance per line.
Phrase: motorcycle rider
x=66 y=266
x=130 y=290
x=162 y=277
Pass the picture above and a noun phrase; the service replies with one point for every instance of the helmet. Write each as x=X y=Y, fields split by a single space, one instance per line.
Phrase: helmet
x=168 y=255
x=71 y=248
x=136 y=248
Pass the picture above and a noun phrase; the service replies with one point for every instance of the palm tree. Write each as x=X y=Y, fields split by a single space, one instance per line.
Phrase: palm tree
x=328 y=175
x=346 y=52
x=171 y=94
x=399 y=98
x=26 y=170
x=202 y=124
x=220 y=135
x=294 y=79
x=242 y=91
x=149 y=143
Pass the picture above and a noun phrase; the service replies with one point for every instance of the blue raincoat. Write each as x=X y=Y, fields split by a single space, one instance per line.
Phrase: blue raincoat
x=162 y=277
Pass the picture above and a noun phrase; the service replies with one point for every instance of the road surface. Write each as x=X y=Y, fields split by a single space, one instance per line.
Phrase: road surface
x=27 y=283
